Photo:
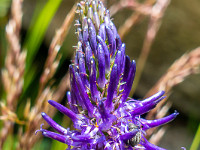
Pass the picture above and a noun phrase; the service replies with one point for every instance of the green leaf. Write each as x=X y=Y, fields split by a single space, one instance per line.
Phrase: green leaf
x=196 y=141
x=10 y=142
x=37 y=31
x=4 y=5
x=29 y=77
x=58 y=145
x=44 y=144
x=36 y=35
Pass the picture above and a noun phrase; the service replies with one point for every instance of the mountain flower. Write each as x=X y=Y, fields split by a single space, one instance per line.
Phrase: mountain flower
x=101 y=77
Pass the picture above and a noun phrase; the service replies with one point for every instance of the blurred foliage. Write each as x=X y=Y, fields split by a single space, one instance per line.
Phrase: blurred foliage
x=4 y=5
x=58 y=145
x=2 y=45
x=35 y=37
x=196 y=141
x=32 y=43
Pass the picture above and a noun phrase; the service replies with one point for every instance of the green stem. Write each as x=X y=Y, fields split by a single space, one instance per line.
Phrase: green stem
x=196 y=141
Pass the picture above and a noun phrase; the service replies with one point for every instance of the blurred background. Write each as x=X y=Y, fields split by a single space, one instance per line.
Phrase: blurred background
x=178 y=33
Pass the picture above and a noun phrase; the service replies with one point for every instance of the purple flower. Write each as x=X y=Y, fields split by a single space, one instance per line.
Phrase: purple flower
x=101 y=79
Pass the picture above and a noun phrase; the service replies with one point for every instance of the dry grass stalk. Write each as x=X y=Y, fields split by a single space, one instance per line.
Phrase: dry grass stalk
x=155 y=138
x=157 y=13
x=160 y=114
x=140 y=11
x=131 y=4
x=62 y=87
x=16 y=11
x=129 y=23
x=52 y=60
x=12 y=74
x=28 y=139
x=186 y=65
x=155 y=133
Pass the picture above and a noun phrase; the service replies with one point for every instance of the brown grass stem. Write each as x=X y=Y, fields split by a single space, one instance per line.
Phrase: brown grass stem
x=52 y=60
x=183 y=67
x=157 y=13
x=12 y=74
x=28 y=139
x=137 y=15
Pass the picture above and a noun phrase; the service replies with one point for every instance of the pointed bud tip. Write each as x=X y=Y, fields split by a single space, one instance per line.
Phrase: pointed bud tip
x=161 y=92
x=68 y=93
x=176 y=113
x=133 y=62
x=43 y=114
x=50 y=101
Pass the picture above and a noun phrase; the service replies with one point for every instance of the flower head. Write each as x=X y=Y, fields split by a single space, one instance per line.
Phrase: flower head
x=103 y=115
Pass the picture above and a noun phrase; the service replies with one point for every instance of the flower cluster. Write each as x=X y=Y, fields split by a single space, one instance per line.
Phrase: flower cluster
x=101 y=77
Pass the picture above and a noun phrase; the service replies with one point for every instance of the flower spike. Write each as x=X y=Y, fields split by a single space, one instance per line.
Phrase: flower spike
x=101 y=78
